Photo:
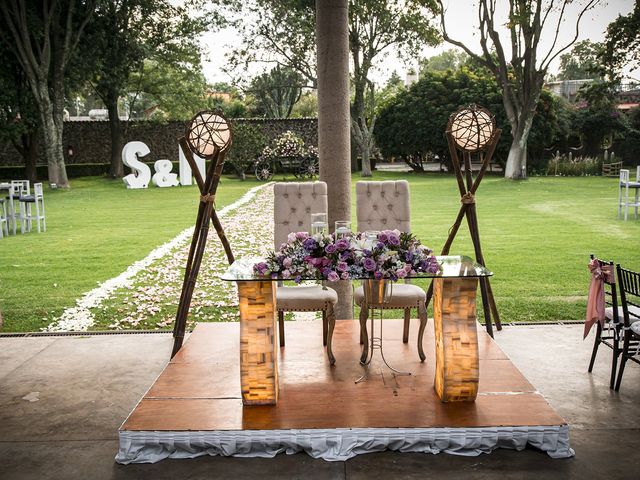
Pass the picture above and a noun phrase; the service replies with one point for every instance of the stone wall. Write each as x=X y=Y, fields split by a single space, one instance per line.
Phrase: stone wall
x=91 y=143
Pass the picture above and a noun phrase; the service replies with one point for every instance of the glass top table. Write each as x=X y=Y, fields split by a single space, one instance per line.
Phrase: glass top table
x=455 y=325
x=453 y=266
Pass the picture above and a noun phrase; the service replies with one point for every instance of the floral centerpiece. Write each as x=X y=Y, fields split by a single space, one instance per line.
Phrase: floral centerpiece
x=389 y=254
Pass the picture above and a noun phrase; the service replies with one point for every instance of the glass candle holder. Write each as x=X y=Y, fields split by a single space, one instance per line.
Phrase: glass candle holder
x=343 y=229
x=319 y=223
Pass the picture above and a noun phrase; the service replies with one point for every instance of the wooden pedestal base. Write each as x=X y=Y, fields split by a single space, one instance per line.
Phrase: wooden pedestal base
x=456 y=335
x=258 y=354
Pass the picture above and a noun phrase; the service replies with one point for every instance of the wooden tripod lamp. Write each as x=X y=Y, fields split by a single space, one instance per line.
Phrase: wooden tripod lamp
x=209 y=136
x=472 y=130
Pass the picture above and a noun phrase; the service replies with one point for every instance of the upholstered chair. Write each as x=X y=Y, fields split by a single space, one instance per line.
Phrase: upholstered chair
x=385 y=206
x=293 y=205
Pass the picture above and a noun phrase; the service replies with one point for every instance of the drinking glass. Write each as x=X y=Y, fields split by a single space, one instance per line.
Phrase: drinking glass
x=319 y=223
x=343 y=229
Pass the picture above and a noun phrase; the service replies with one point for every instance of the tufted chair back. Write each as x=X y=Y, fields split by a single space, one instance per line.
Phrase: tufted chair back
x=383 y=206
x=293 y=205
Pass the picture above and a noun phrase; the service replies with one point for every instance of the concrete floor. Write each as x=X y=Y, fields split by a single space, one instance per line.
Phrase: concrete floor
x=62 y=400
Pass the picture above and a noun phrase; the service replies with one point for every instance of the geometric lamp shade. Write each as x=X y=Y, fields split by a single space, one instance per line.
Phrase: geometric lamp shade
x=208 y=132
x=471 y=128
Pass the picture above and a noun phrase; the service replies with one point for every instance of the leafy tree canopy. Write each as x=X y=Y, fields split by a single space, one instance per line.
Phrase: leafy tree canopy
x=581 y=62
x=415 y=123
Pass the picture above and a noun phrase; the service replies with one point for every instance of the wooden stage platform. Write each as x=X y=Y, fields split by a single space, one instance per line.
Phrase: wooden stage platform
x=195 y=407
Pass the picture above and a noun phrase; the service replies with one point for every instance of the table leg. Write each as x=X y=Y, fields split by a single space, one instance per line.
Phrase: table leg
x=457 y=366
x=258 y=352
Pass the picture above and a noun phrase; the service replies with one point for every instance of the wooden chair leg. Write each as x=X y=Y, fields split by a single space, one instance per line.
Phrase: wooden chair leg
x=281 y=327
x=331 y=323
x=364 y=338
x=422 y=315
x=623 y=361
x=405 y=329
x=324 y=327
x=614 y=362
x=596 y=344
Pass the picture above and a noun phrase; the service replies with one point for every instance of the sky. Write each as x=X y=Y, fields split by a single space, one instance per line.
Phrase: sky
x=461 y=23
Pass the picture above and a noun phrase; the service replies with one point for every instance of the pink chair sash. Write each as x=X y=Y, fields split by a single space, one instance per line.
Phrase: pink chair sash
x=595 y=302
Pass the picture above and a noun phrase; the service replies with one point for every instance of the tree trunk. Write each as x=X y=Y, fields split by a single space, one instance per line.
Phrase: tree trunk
x=30 y=155
x=516 y=167
x=52 y=144
x=115 y=129
x=362 y=139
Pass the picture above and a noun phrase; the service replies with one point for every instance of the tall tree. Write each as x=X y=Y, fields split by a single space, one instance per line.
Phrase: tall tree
x=276 y=92
x=125 y=33
x=451 y=59
x=284 y=34
x=19 y=119
x=520 y=71
x=43 y=36
x=581 y=62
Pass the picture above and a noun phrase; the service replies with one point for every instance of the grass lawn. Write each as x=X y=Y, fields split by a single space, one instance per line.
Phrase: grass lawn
x=95 y=231
x=537 y=236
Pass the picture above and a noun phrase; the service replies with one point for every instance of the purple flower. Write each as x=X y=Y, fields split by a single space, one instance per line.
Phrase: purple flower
x=342 y=244
x=401 y=273
x=409 y=256
x=369 y=264
x=261 y=268
x=301 y=235
x=377 y=275
x=286 y=274
x=333 y=276
x=309 y=244
x=380 y=245
x=298 y=279
x=344 y=275
x=342 y=266
x=331 y=248
x=394 y=239
x=345 y=255
x=286 y=263
x=383 y=237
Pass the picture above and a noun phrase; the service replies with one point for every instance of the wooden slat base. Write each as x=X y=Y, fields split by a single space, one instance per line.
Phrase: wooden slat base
x=456 y=333
x=258 y=356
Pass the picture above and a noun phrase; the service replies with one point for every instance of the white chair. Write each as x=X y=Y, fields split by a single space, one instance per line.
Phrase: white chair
x=293 y=205
x=37 y=199
x=385 y=206
x=15 y=209
x=623 y=193
x=4 y=224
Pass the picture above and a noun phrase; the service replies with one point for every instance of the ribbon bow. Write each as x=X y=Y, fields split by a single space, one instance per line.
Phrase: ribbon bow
x=595 y=302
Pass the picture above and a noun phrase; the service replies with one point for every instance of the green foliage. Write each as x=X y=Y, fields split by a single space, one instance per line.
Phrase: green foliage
x=248 y=143
x=627 y=146
x=581 y=62
x=622 y=43
x=451 y=59
x=276 y=92
x=413 y=125
x=307 y=106
x=171 y=91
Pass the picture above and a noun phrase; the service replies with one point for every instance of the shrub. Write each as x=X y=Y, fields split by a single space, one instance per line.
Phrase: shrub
x=561 y=165
x=248 y=143
x=412 y=125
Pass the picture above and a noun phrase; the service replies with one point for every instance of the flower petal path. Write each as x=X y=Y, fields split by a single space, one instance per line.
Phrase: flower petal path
x=146 y=294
